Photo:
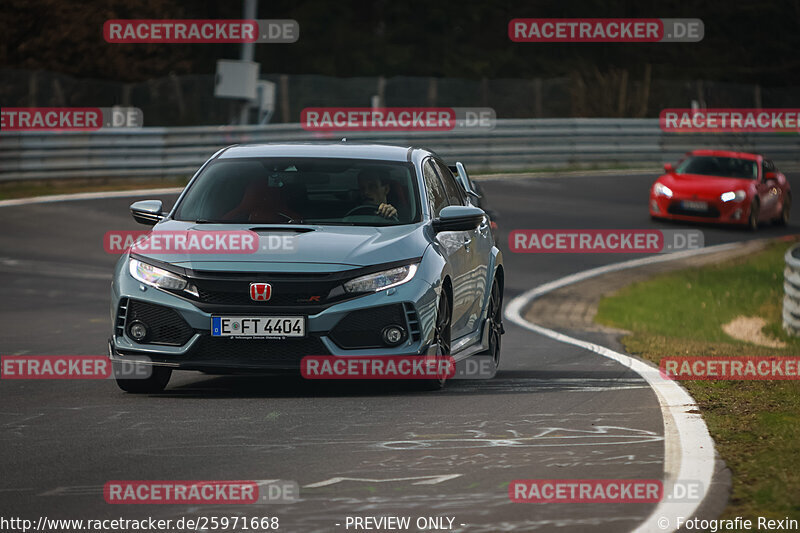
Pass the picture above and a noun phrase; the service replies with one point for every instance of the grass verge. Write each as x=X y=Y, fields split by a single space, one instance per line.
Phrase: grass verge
x=755 y=424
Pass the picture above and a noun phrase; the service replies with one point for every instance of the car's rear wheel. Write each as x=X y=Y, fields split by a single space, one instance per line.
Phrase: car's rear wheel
x=752 y=221
x=441 y=338
x=156 y=382
x=786 y=211
x=494 y=317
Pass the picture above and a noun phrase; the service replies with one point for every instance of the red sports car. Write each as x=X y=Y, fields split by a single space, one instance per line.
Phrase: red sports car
x=722 y=186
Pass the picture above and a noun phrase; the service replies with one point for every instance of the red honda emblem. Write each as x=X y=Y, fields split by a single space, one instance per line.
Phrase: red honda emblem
x=260 y=292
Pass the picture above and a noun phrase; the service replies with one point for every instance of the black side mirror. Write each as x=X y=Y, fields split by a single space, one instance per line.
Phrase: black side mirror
x=459 y=218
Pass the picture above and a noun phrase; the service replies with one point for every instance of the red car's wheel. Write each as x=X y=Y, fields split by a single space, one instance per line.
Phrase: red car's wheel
x=752 y=220
x=786 y=210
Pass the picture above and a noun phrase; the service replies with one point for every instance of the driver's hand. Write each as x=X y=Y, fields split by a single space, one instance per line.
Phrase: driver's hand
x=387 y=211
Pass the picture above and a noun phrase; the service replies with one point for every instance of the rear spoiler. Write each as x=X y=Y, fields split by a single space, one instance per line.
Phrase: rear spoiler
x=462 y=177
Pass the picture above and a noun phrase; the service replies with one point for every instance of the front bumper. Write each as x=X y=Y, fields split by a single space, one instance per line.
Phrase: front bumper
x=181 y=330
x=716 y=212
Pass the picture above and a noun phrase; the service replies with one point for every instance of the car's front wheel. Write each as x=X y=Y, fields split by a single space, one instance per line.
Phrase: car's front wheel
x=156 y=382
x=494 y=316
x=441 y=338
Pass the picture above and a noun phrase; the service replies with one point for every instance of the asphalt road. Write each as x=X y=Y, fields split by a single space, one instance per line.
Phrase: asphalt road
x=553 y=411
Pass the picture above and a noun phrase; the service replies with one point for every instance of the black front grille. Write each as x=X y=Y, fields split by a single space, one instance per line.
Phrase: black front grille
x=165 y=325
x=675 y=208
x=279 y=298
x=287 y=291
x=362 y=328
x=286 y=353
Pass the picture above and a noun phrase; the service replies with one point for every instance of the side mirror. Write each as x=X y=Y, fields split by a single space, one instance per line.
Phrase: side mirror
x=466 y=182
x=669 y=168
x=458 y=218
x=147 y=212
x=770 y=176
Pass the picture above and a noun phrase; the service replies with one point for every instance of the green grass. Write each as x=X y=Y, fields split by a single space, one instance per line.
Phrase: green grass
x=755 y=424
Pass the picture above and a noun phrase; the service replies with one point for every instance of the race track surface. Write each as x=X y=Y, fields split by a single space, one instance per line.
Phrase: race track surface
x=553 y=411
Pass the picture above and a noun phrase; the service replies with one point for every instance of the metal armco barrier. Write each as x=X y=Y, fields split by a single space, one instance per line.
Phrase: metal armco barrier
x=514 y=144
x=791 y=290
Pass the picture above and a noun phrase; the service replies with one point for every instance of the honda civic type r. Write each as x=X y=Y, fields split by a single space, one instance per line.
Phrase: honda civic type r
x=367 y=250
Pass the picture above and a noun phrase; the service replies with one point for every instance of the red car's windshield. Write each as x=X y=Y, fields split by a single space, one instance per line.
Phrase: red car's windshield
x=723 y=167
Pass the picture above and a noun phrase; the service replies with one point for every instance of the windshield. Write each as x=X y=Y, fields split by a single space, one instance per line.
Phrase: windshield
x=303 y=191
x=724 y=167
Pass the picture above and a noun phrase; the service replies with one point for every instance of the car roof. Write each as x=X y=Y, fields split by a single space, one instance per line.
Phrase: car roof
x=725 y=153
x=348 y=150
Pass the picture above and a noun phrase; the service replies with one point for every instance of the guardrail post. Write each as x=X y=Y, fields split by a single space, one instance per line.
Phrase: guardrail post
x=791 y=290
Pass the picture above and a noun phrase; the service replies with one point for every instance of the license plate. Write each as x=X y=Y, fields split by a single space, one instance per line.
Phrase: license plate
x=275 y=327
x=694 y=206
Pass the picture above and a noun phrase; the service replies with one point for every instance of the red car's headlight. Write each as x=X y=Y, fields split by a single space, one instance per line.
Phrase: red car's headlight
x=662 y=190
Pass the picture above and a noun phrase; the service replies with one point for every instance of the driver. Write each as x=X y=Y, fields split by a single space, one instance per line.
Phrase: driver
x=373 y=185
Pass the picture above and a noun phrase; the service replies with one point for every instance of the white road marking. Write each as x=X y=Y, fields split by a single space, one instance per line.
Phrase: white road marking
x=428 y=480
x=688 y=447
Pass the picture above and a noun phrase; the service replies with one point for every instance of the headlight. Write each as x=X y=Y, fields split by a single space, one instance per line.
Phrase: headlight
x=662 y=190
x=156 y=277
x=381 y=280
x=733 y=196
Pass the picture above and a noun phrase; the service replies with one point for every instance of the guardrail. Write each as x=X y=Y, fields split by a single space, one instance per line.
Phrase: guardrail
x=791 y=291
x=514 y=144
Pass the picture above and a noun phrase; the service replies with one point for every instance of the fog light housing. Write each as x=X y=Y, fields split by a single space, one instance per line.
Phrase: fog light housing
x=737 y=214
x=138 y=330
x=654 y=206
x=393 y=335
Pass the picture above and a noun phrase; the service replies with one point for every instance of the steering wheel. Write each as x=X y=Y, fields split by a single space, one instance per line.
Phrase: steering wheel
x=373 y=208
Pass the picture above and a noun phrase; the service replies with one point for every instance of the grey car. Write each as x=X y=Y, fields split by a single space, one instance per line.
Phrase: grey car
x=361 y=249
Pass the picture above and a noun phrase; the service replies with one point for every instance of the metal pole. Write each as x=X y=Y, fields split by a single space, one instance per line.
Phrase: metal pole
x=249 y=12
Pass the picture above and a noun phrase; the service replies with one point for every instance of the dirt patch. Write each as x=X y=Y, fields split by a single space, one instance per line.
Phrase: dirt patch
x=748 y=329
